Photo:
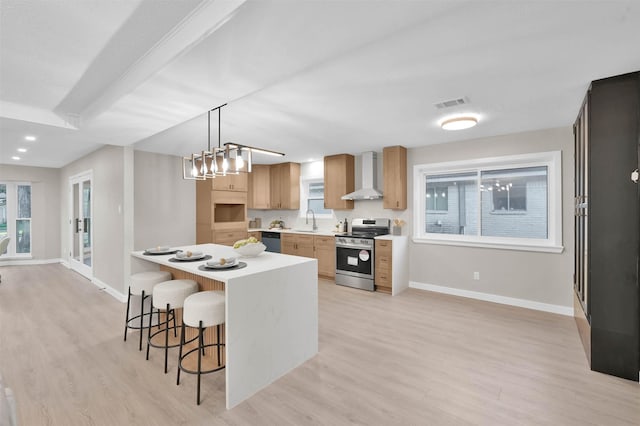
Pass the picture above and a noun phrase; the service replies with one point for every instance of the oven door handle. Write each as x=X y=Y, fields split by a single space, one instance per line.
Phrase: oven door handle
x=351 y=246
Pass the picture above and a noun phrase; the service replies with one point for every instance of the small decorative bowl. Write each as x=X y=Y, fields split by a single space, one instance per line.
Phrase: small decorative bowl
x=251 y=249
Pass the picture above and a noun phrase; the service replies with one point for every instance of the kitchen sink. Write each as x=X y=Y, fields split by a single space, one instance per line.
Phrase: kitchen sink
x=308 y=231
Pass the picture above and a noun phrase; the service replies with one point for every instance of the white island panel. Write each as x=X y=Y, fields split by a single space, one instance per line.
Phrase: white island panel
x=272 y=327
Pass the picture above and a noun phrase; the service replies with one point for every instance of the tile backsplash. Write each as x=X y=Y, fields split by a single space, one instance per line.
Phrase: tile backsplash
x=293 y=218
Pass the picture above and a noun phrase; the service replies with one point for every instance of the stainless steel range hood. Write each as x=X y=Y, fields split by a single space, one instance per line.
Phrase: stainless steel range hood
x=369 y=175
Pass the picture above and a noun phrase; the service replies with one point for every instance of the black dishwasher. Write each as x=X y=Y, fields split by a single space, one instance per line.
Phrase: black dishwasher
x=272 y=241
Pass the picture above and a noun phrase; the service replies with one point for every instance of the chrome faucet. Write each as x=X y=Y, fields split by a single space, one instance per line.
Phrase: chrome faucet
x=315 y=227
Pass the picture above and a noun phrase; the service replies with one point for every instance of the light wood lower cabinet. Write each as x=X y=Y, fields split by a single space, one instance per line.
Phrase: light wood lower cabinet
x=255 y=234
x=297 y=244
x=318 y=247
x=325 y=252
x=383 y=266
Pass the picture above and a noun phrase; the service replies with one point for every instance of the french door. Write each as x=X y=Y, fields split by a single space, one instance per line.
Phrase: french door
x=81 y=235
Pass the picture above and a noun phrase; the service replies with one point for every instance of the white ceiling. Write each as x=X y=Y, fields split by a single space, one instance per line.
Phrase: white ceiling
x=308 y=78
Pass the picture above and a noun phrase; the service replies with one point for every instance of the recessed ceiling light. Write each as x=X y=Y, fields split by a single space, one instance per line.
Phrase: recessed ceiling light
x=30 y=138
x=459 y=123
x=22 y=149
x=15 y=157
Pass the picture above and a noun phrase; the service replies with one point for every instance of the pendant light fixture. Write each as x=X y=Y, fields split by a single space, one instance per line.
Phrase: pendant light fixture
x=231 y=158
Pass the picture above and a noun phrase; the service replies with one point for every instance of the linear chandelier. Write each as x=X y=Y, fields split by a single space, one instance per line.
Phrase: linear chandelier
x=232 y=158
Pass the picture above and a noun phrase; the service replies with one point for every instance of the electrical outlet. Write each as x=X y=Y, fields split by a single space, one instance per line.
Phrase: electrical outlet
x=476 y=275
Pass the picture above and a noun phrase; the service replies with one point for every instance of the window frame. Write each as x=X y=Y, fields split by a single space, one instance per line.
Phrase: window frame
x=304 y=197
x=551 y=159
x=12 y=219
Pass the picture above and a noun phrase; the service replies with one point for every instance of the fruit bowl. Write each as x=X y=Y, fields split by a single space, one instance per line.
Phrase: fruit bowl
x=250 y=249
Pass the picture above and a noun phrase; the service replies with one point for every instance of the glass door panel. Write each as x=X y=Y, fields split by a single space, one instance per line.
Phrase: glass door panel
x=86 y=222
x=81 y=252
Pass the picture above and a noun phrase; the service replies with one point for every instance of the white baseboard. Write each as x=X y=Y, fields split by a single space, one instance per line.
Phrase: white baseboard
x=18 y=262
x=522 y=303
x=65 y=263
x=109 y=290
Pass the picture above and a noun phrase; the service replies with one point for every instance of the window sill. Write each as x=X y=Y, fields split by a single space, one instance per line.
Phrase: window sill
x=491 y=245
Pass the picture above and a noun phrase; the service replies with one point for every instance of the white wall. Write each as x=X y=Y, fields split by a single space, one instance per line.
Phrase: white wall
x=538 y=277
x=45 y=207
x=165 y=204
x=109 y=210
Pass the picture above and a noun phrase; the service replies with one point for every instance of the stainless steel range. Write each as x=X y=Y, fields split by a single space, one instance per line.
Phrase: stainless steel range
x=355 y=253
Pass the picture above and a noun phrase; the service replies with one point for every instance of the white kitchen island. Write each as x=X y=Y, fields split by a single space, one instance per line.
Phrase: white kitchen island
x=271 y=313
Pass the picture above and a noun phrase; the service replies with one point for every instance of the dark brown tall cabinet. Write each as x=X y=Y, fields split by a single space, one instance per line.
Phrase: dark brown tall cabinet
x=607 y=225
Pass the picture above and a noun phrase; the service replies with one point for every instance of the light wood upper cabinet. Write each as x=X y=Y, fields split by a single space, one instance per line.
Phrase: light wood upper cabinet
x=230 y=182
x=325 y=252
x=285 y=186
x=259 y=194
x=297 y=245
x=339 y=180
x=394 y=160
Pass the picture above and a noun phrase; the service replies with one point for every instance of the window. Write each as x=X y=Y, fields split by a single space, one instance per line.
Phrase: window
x=15 y=217
x=508 y=202
x=312 y=197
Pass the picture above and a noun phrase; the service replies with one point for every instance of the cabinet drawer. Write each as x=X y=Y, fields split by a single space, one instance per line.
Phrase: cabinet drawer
x=228 y=238
x=383 y=262
x=383 y=244
x=328 y=242
x=383 y=279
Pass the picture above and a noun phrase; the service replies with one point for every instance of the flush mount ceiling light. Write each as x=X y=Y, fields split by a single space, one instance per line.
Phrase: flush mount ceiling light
x=30 y=138
x=459 y=123
x=233 y=158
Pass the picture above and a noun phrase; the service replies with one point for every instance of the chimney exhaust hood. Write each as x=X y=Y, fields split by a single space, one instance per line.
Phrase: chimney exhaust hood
x=369 y=175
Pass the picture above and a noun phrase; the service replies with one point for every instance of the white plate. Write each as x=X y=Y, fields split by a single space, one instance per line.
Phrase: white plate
x=196 y=257
x=219 y=266
x=161 y=250
x=215 y=264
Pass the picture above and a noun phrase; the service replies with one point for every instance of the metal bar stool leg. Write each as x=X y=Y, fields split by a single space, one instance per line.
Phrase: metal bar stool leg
x=149 y=329
x=166 y=337
x=141 y=318
x=218 y=342
x=180 y=354
x=200 y=330
x=126 y=316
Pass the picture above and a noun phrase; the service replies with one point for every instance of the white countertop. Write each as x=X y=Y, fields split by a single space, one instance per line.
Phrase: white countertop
x=266 y=261
x=390 y=237
x=323 y=233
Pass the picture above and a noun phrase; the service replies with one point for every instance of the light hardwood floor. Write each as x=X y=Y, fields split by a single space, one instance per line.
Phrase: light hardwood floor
x=416 y=359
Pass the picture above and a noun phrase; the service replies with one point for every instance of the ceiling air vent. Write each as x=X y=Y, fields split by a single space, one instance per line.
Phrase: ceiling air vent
x=452 y=102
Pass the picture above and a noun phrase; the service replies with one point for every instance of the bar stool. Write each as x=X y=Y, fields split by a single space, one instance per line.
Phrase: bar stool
x=201 y=310
x=142 y=284
x=168 y=296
